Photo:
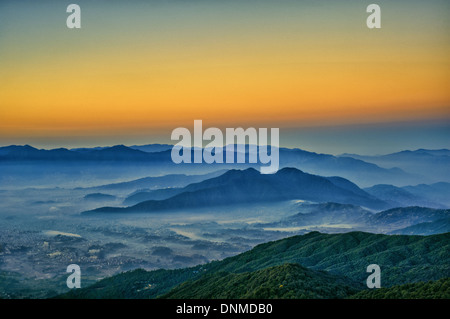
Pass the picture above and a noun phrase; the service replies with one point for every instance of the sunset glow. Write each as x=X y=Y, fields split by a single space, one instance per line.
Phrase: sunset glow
x=154 y=67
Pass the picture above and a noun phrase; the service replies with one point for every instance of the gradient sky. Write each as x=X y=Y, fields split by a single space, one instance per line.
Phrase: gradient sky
x=138 y=69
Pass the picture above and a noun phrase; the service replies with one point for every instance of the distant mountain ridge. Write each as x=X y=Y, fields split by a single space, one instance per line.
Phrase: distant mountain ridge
x=160 y=194
x=438 y=192
x=357 y=170
x=400 y=220
x=434 y=164
x=437 y=226
x=325 y=213
x=397 y=196
x=407 y=153
x=435 y=195
x=28 y=153
x=397 y=217
x=249 y=186
x=156 y=182
x=152 y=148
x=99 y=197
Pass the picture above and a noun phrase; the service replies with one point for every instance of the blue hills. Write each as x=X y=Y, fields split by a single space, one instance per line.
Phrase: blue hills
x=411 y=220
x=250 y=186
x=432 y=164
x=364 y=172
x=435 y=195
x=163 y=183
x=113 y=153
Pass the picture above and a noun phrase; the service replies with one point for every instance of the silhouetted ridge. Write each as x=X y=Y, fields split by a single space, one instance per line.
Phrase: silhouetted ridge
x=249 y=186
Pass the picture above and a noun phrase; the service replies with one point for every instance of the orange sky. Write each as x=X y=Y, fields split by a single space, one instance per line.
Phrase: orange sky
x=277 y=66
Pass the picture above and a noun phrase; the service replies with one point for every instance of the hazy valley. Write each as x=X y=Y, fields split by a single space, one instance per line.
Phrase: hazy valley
x=121 y=208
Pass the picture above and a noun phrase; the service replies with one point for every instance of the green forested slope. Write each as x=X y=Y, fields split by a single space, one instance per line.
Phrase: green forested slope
x=403 y=259
x=439 y=289
x=286 y=281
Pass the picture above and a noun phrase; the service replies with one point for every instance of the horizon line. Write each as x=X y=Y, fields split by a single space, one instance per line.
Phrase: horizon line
x=203 y=148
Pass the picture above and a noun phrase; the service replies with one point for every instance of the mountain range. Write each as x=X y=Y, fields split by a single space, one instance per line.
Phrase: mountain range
x=359 y=169
x=437 y=226
x=114 y=153
x=154 y=182
x=434 y=164
x=400 y=220
x=250 y=186
x=435 y=195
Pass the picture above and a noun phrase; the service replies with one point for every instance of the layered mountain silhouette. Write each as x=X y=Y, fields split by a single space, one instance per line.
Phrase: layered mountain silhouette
x=152 y=148
x=432 y=164
x=355 y=169
x=437 y=192
x=407 y=216
x=325 y=214
x=438 y=226
x=249 y=186
x=119 y=153
x=99 y=197
x=160 y=194
x=159 y=183
x=157 y=194
x=401 y=220
x=398 y=196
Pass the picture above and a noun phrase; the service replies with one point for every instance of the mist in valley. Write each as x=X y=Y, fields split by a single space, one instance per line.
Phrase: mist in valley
x=54 y=213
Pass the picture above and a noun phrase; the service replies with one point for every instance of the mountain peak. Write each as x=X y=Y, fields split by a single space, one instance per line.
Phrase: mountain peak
x=289 y=170
x=245 y=172
x=119 y=147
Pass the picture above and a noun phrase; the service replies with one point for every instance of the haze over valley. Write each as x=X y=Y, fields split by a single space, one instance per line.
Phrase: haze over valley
x=116 y=209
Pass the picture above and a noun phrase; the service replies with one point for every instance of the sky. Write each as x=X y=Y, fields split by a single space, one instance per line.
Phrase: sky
x=136 y=70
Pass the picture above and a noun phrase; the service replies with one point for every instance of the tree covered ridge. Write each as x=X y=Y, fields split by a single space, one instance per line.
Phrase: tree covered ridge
x=438 y=289
x=287 y=281
x=403 y=259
